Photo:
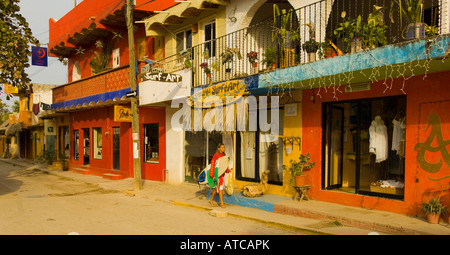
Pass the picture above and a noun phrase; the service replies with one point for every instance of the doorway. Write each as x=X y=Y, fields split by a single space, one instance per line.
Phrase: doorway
x=86 y=146
x=116 y=148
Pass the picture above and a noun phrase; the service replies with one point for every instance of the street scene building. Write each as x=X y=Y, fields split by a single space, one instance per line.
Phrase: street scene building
x=359 y=88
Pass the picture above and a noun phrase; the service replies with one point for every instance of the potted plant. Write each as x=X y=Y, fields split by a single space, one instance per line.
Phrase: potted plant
x=282 y=24
x=297 y=167
x=351 y=31
x=269 y=57
x=311 y=46
x=411 y=10
x=374 y=30
x=228 y=56
x=252 y=57
x=433 y=209
x=206 y=69
x=186 y=54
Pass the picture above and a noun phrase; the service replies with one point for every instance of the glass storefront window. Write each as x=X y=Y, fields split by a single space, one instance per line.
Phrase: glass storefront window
x=97 y=143
x=364 y=146
x=151 y=143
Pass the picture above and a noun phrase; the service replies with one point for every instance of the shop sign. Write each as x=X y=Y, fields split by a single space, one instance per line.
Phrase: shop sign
x=10 y=89
x=162 y=77
x=122 y=113
x=219 y=94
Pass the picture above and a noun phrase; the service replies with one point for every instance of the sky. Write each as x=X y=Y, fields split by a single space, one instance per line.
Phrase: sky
x=38 y=13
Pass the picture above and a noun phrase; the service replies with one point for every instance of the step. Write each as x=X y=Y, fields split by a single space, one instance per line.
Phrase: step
x=81 y=170
x=112 y=176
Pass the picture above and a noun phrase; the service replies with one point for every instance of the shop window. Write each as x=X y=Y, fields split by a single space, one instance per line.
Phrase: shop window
x=97 y=143
x=151 y=143
x=363 y=147
x=76 y=152
x=200 y=147
x=257 y=151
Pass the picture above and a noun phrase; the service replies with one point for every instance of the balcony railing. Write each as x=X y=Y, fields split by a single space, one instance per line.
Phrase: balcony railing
x=316 y=21
x=112 y=80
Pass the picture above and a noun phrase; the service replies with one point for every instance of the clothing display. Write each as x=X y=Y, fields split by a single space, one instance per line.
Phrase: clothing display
x=399 y=127
x=378 y=140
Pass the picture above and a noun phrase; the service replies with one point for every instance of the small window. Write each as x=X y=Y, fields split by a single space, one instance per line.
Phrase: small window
x=210 y=39
x=151 y=143
x=97 y=145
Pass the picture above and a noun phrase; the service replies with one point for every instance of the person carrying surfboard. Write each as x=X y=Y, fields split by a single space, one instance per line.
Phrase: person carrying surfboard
x=219 y=184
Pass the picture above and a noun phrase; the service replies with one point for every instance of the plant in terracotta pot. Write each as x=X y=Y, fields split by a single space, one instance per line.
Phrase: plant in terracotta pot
x=270 y=56
x=206 y=68
x=433 y=209
x=297 y=167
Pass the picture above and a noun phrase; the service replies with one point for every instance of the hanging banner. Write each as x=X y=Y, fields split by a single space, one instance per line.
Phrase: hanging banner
x=39 y=56
x=122 y=113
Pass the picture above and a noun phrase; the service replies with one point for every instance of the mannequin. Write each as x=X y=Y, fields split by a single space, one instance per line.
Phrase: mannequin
x=378 y=142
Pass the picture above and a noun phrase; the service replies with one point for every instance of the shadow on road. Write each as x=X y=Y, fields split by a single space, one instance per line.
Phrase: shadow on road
x=8 y=183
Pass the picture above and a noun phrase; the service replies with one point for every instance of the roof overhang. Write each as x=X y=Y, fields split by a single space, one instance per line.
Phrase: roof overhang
x=177 y=14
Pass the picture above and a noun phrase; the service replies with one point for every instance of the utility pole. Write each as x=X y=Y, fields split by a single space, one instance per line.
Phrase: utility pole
x=134 y=106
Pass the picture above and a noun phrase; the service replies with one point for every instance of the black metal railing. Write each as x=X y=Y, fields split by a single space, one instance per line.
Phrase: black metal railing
x=279 y=46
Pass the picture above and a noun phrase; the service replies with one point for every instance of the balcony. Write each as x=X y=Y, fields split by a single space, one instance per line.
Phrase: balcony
x=281 y=45
x=98 y=90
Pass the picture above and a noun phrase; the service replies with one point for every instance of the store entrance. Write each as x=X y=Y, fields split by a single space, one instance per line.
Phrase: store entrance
x=200 y=147
x=363 y=146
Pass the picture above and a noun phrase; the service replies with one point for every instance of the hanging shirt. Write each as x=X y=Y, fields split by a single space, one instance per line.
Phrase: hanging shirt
x=397 y=134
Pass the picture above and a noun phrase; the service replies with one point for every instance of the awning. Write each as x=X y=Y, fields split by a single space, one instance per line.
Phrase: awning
x=176 y=15
x=13 y=129
x=99 y=100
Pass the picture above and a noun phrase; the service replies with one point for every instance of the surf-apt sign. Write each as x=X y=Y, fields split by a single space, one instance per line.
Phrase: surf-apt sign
x=162 y=77
x=219 y=94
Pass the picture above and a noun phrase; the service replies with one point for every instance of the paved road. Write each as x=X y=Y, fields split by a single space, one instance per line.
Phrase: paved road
x=34 y=202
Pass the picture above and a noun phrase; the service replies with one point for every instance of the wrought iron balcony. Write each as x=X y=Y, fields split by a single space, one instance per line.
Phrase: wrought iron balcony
x=326 y=28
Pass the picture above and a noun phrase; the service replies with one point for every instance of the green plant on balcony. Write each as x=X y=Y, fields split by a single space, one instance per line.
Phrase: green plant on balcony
x=228 y=56
x=205 y=68
x=431 y=31
x=100 y=61
x=374 y=30
x=269 y=57
x=186 y=54
x=411 y=11
x=349 y=30
x=311 y=46
x=282 y=24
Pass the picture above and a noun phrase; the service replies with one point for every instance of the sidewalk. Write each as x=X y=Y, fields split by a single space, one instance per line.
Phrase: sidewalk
x=308 y=217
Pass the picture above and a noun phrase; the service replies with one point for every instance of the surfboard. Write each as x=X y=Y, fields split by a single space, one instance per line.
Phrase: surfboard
x=220 y=168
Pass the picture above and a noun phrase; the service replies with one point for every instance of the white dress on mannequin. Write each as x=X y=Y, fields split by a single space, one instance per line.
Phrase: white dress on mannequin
x=378 y=142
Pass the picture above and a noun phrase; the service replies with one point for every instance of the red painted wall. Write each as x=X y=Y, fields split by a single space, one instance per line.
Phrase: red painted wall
x=102 y=118
x=148 y=115
x=424 y=97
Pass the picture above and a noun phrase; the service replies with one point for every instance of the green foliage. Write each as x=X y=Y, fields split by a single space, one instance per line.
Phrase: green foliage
x=282 y=23
x=433 y=206
x=15 y=38
x=371 y=33
x=296 y=168
x=269 y=56
x=431 y=31
x=100 y=62
x=411 y=10
x=228 y=55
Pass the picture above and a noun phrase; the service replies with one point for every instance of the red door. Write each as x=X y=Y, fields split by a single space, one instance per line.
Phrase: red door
x=153 y=142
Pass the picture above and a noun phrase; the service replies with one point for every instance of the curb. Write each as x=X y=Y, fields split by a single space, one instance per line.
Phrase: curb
x=306 y=231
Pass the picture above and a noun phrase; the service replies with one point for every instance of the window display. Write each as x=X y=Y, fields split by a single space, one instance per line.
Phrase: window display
x=364 y=146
